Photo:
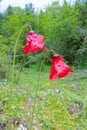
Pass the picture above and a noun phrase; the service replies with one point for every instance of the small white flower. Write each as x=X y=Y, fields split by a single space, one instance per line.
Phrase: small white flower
x=21 y=127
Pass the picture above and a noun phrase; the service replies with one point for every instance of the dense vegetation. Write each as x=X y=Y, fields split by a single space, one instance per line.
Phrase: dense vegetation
x=64 y=29
x=61 y=105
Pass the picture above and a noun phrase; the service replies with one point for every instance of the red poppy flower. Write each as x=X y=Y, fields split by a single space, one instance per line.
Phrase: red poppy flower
x=59 y=69
x=34 y=42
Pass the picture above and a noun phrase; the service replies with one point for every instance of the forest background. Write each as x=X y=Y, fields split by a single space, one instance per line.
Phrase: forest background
x=64 y=28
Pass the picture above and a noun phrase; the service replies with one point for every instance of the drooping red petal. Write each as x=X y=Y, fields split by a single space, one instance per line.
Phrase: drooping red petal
x=33 y=46
x=36 y=42
x=62 y=69
x=59 y=69
x=40 y=40
x=53 y=73
x=26 y=48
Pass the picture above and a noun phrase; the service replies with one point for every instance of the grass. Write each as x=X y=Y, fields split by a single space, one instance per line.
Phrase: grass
x=61 y=105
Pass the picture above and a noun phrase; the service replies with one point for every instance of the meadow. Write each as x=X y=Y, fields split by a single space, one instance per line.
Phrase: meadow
x=60 y=105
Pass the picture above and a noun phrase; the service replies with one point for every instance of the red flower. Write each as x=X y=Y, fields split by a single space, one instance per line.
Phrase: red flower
x=59 y=69
x=34 y=42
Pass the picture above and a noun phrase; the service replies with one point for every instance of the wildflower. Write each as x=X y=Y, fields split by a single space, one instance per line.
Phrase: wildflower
x=29 y=101
x=59 y=69
x=47 y=85
x=34 y=42
x=21 y=127
x=23 y=121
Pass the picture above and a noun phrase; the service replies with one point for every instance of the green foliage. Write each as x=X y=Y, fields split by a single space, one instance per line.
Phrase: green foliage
x=64 y=29
x=61 y=27
x=4 y=62
x=82 y=9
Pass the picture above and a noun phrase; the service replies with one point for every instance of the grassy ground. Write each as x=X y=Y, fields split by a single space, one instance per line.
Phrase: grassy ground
x=61 y=105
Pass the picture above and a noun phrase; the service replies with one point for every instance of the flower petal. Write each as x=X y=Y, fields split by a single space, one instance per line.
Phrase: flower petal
x=36 y=42
x=62 y=69
x=59 y=69
x=26 y=48
x=53 y=73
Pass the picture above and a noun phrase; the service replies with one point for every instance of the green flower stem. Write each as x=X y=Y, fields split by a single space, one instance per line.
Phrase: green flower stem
x=36 y=92
x=15 y=48
x=37 y=86
x=13 y=68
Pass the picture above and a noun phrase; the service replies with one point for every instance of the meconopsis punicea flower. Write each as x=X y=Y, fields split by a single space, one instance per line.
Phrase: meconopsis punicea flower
x=34 y=42
x=58 y=69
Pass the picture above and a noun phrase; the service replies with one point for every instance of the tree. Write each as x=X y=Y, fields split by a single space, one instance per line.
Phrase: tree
x=29 y=8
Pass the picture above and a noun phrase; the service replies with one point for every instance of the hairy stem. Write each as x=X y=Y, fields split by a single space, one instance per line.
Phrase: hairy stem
x=37 y=87
x=12 y=77
x=36 y=92
x=15 y=48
